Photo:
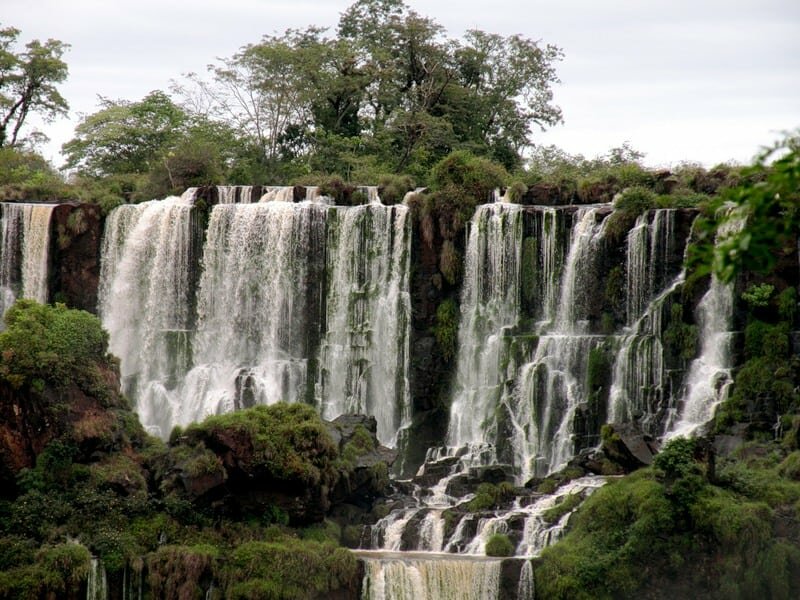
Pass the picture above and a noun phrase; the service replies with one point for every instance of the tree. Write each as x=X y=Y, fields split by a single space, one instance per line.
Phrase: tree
x=125 y=137
x=749 y=224
x=28 y=82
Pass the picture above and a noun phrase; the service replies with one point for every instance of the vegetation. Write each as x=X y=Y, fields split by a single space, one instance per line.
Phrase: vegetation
x=499 y=545
x=51 y=344
x=669 y=528
x=28 y=80
x=162 y=510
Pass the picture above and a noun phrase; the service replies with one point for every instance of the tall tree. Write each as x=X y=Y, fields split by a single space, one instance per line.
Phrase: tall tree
x=125 y=137
x=28 y=81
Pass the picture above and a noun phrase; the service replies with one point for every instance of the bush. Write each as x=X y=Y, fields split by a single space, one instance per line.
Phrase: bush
x=446 y=328
x=51 y=344
x=635 y=200
x=499 y=545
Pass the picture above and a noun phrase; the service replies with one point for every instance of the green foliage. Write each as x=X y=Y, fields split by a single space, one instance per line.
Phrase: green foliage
x=567 y=504
x=751 y=223
x=287 y=568
x=787 y=304
x=51 y=344
x=28 y=80
x=499 y=545
x=757 y=296
x=490 y=496
x=446 y=328
x=178 y=571
x=635 y=200
x=450 y=262
x=676 y=458
x=680 y=337
x=288 y=441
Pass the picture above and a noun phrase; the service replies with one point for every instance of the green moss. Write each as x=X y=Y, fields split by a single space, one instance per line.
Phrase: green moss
x=568 y=504
x=446 y=328
x=680 y=337
x=499 y=545
x=290 y=568
x=288 y=441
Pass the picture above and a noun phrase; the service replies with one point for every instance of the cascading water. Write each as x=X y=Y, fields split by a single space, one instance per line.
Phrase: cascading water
x=145 y=298
x=541 y=408
x=25 y=248
x=411 y=577
x=251 y=344
x=489 y=310
x=363 y=364
x=709 y=374
x=96 y=586
x=651 y=244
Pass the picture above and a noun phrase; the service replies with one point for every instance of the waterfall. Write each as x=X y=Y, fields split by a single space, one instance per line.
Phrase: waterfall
x=25 y=248
x=489 y=310
x=650 y=247
x=548 y=389
x=364 y=356
x=254 y=304
x=411 y=577
x=638 y=387
x=282 y=193
x=709 y=374
x=145 y=296
x=96 y=586
x=233 y=194
x=526 y=588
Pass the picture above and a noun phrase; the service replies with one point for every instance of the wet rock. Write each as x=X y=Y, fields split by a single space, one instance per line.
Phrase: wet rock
x=629 y=446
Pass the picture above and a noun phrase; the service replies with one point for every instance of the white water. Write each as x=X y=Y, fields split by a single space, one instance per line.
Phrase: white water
x=651 y=243
x=637 y=386
x=410 y=577
x=144 y=296
x=252 y=310
x=709 y=375
x=489 y=309
x=24 y=252
x=364 y=357
x=96 y=586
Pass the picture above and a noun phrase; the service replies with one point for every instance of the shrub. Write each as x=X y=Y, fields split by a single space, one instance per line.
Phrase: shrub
x=499 y=545
x=758 y=295
x=446 y=328
x=51 y=344
x=635 y=200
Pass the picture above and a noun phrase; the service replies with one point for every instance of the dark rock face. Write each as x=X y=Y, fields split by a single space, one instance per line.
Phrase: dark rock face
x=77 y=230
x=630 y=447
x=30 y=420
x=225 y=473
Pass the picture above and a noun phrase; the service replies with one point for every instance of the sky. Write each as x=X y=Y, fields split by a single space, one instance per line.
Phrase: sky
x=703 y=81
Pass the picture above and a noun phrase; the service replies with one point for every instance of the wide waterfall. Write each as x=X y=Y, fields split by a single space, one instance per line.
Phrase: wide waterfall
x=284 y=301
x=411 y=577
x=363 y=364
x=24 y=252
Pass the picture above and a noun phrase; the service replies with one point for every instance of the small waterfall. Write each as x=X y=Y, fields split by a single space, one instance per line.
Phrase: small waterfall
x=548 y=389
x=233 y=194
x=364 y=357
x=25 y=248
x=638 y=385
x=96 y=586
x=650 y=248
x=145 y=295
x=411 y=577
x=489 y=310
x=709 y=375
x=282 y=193
x=526 y=588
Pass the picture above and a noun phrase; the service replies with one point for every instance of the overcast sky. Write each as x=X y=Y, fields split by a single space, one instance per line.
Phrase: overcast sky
x=703 y=80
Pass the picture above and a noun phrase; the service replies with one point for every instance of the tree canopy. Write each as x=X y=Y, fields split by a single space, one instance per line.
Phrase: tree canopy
x=28 y=80
x=386 y=92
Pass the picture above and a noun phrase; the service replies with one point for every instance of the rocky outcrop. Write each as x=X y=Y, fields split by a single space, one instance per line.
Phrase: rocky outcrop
x=77 y=233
